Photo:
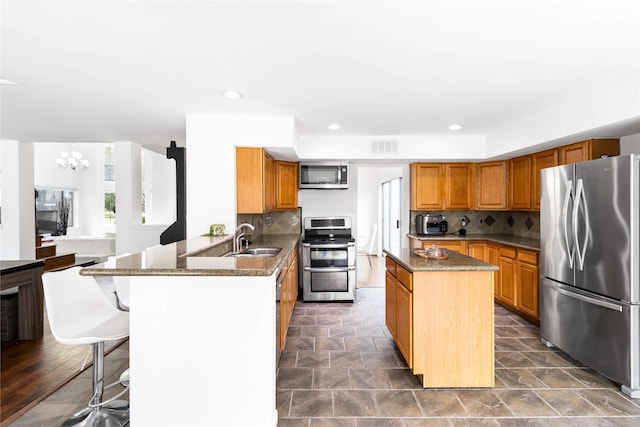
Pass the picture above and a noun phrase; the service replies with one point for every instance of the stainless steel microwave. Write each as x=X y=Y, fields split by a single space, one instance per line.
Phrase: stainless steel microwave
x=324 y=175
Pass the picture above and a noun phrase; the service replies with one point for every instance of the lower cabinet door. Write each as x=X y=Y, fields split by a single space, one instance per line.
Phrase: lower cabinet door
x=390 y=303
x=404 y=326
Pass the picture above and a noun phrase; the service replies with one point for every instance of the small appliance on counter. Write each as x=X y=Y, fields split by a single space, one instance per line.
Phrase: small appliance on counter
x=433 y=225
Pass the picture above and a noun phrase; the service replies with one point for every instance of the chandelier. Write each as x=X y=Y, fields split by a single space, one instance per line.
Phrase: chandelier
x=72 y=160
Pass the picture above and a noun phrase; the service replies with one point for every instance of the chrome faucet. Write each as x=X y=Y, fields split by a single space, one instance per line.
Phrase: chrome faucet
x=239 y=234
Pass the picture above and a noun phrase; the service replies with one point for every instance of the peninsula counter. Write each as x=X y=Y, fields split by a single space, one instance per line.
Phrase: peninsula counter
x=202 y=332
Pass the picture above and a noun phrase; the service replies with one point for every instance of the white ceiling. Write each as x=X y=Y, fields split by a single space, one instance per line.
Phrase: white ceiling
x=119 y=70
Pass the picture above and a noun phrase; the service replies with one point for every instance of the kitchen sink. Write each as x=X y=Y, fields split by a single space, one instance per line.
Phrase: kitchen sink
x=256 y=252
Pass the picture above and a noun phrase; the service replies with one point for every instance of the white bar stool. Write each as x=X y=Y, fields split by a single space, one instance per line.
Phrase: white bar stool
x=80 y=313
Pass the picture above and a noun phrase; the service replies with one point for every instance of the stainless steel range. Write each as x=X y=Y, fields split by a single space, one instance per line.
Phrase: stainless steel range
x=328 y=260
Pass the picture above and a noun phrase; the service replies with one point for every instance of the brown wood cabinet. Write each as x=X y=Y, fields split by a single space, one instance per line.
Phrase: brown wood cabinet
x=255 y=181
x=452 y=245
x=588 y=150
x=520 y=183
x=399 y=307
x=404 y=314
x=287 y=185
x=527 y=283
x=492 y=184
x=477 y=250
x=441 y=186
x=426 y=186
x=443 y=310
x=264 y=184
x=492 y=256
x=288 y=294
x=458 y=187
x=507 y=285
x=539 y=161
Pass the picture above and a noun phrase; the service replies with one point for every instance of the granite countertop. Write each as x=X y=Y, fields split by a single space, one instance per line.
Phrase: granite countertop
x=199 y=256
x=455 y=262
x=505 y=239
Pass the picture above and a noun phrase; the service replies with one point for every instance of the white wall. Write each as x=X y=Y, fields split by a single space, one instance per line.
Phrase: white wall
x=17 y=231
x=630 y=144
x=210 y=163
x=410 y=148
x=88 y=184
x=160 y=188
x=614 y=102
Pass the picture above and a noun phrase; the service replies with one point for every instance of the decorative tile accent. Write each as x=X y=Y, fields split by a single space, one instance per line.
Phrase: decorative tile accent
x=294 y=221
x=528 y=223
x=268 y=221
x=510 y=221
x=489 y=220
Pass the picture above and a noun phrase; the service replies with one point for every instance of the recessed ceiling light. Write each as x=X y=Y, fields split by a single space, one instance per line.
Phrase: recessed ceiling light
x=455 y=127
x=334 y=126
x=7 y=82
x=231 y=94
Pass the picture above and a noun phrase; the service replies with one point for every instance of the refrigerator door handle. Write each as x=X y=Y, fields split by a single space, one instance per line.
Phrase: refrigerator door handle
x=565 y=213
x=604 y=304
x=580 y=200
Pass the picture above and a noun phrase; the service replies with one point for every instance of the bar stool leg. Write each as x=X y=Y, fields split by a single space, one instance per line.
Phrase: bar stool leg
x=111 y=414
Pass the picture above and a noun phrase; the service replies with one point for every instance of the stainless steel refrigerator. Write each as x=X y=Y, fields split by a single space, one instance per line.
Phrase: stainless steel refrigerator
x=589 y=283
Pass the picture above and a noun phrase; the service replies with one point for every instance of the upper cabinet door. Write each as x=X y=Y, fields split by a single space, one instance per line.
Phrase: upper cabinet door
x=589 y=149
x=426 y=186
x=492 y=185
x=520 y=183
x=250 y=180
x=287 y=188
x=458 y=188
x=539 y=161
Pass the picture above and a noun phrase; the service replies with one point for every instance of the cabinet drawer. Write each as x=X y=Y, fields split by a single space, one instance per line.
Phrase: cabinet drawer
x=508 y=251
x=529 y=257
x=404 y=277
x=391 y=266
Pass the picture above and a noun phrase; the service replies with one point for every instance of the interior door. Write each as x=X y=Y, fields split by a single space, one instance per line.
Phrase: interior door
x=391 y=213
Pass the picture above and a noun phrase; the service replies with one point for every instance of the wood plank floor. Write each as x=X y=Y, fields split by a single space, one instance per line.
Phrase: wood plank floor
x=32 y=370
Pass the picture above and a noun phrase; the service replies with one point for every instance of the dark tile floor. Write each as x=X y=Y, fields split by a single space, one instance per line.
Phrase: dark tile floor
x=340 y=367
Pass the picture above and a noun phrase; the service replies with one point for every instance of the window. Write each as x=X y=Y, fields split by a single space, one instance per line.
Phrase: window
x=54 y=210
x=109 y=162
x=109 y=208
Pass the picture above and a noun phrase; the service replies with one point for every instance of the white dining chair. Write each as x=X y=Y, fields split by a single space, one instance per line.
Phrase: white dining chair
x=371 y=240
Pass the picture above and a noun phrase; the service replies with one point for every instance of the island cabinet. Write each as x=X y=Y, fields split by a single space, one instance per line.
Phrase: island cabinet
x=588 y=150
x=492 y=184
x=520 y=183
x=441 y=186
x=255 y=181
x=442 y=323
x=288 y=294
x=399 y=304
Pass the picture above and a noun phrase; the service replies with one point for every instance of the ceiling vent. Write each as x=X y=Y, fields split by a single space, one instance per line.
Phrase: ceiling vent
x=384 y=146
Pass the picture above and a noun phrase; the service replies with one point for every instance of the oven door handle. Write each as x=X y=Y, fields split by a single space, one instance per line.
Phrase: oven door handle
x=328 y=269
x=328 y=246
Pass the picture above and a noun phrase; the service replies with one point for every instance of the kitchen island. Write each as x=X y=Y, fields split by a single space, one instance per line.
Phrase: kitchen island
x=440 y=314
x=202 y=332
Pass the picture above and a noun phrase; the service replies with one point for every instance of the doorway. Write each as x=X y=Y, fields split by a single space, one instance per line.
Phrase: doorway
x=391 y=214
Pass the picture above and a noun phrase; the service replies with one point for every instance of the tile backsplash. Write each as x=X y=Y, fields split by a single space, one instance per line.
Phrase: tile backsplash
x=517 y=223
x=280 y=222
